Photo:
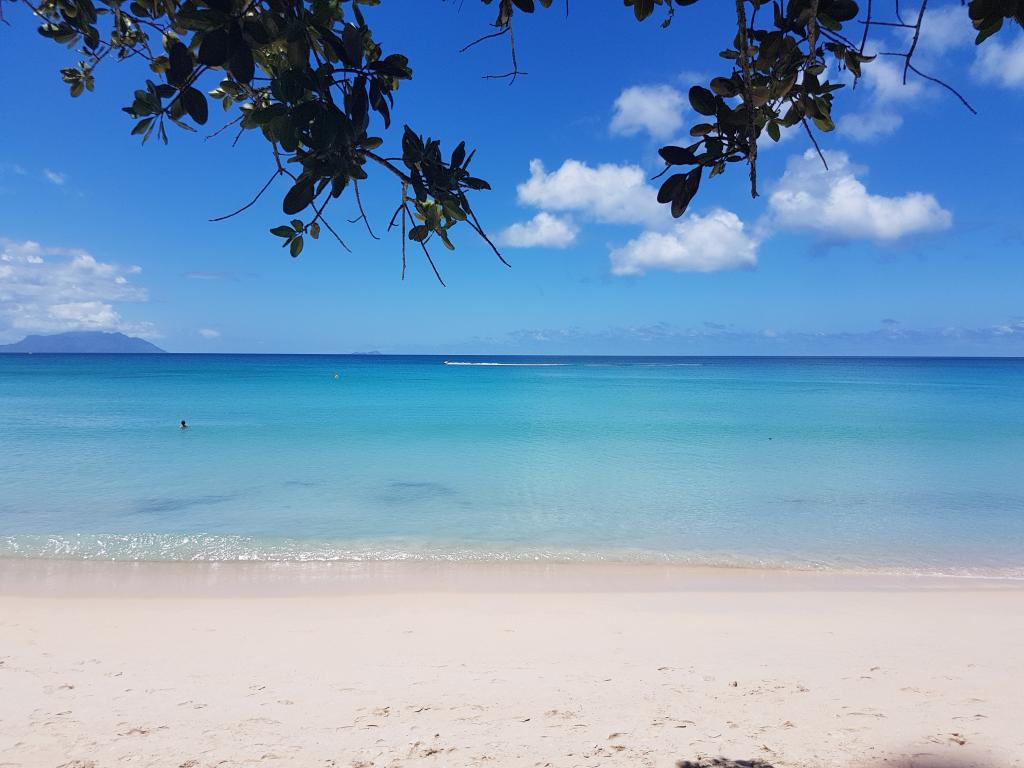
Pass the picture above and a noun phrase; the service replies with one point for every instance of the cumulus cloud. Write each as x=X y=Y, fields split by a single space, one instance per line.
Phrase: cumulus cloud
x=832 y=203
x=612 y=194
x=1001 y=63
x=697 y=243
x=943 y=28
x=887 y=97
x=870 y=124
x=621 y=194
x=49 y=290
x=54 y=177
x=209 y=333
x=542 y=231
x=836 y=203
x=656 y=109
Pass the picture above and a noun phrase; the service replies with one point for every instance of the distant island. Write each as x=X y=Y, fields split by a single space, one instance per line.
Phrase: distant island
x=82 y=342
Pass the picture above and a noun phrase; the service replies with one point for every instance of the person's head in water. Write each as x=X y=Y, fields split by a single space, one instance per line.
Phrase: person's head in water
x=183 y=425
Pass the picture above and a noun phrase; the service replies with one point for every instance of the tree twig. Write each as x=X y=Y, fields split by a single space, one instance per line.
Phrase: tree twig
x=917 y=36
x=252 y=202
x=224 y=127
x=945 y=85
x=320 y=216
x=362 y=213
x=499 y=33
x=814 y=141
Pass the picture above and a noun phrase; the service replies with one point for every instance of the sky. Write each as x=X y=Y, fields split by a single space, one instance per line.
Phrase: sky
x=911 y=244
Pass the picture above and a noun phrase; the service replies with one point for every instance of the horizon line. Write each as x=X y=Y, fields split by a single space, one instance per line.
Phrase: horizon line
x=519 y=355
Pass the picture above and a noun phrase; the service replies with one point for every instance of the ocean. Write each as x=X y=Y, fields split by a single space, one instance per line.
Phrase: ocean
x=861 y=464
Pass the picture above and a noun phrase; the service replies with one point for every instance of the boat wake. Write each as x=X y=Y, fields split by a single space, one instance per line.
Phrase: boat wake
x=505 y=365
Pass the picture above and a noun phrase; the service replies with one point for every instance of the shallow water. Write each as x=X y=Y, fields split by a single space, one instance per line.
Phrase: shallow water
x=883 y=464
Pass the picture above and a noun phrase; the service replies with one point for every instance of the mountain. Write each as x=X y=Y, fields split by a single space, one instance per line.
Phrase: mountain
x=82 y=342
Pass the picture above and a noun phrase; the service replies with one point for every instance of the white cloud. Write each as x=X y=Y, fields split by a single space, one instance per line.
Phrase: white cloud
x=49 y=290
x=54 y=177
x=612 y=194
x=621 y=194
x=708 y=243
x=883 y=80
x=870 y=124
x=544 y=230
x=656 y=109
x=837 y=204
x=943 y=28
x=1001 y=63
x=209 y=333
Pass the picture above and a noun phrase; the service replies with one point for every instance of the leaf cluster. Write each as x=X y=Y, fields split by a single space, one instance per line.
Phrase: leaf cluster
x=311 y=78
x=988 y=16
x=776 y=81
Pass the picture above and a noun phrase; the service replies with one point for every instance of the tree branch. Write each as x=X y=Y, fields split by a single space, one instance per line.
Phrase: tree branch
x=741 y=22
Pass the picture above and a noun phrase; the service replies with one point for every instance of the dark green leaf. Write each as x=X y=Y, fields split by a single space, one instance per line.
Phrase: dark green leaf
x=671 y=186
x=298 y=197
x=724 y=86
x=181 y=64
x=677 y=156
x=213 y=51
x=141 y=126
x=702 y=100
x=196 y=106
x=241 y=64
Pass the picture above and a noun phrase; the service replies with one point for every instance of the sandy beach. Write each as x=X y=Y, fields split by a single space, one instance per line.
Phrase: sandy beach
x=317 y=665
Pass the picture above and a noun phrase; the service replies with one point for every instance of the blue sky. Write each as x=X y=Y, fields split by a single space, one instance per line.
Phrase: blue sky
x=920 y=251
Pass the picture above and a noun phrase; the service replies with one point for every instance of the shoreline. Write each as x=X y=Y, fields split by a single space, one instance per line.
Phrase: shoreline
x=43 y=577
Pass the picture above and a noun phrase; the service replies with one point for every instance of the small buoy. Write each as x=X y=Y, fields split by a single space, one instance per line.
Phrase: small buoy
x=337 y=376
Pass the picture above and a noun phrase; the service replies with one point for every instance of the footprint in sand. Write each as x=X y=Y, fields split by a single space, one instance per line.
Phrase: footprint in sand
x=141 y=730
x=560 y=714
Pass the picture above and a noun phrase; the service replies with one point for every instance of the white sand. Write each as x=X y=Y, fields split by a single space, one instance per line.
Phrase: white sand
x=325 y=667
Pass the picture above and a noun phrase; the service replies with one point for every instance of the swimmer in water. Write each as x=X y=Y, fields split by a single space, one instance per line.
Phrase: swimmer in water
x=183 y=425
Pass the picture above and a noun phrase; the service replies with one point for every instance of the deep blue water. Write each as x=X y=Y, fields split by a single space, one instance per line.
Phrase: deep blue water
x=893 y=464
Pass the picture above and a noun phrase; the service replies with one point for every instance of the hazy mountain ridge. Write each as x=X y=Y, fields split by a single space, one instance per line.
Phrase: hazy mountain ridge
x=82 y=342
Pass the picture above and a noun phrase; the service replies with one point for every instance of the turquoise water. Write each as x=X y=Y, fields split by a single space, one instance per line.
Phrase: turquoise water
x=883 y=464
